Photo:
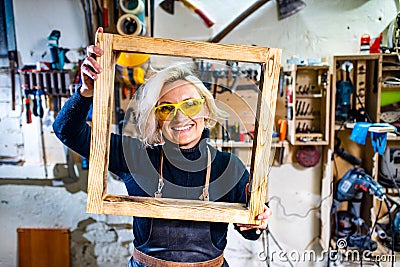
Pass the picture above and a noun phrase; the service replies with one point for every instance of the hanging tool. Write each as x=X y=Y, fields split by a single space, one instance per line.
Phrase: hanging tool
x=285 y=8
x=169 y=6
x=344 y=154
x=302 y=108
x=28 y=112
x=225 y=31
x=99 y=13
x=289 y=97
x=344 y=90
x=43 y=146
x=115 y=11
x=57 y=53
x=306 y=110
x=282 y=83
x=87 y=7
x=37 y=103
x=12 y=58
x=105 y=13
x=26 y=89
x=11 y=46
x=149 y=13
x=282 y=124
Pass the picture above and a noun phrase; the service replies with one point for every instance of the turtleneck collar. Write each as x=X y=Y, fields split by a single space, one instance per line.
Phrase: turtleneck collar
x=194 y=158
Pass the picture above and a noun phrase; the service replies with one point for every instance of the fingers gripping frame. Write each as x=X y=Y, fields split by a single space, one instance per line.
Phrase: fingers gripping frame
x=100 y=202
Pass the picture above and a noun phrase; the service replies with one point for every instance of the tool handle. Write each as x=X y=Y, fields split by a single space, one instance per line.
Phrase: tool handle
x=105 y=13
x=28 y=112
x=105 y=17
x=209 y=22
x=35 y=106
x=282 y=130
x=39 y=106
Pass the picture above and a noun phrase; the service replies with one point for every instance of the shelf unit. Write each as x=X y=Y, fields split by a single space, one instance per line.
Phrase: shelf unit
x=308 y=102
x=368 y=77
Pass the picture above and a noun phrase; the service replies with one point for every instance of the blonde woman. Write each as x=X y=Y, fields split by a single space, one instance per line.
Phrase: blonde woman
x=170 y=158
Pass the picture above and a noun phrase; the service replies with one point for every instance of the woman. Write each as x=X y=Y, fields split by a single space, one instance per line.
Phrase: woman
x=170 y=159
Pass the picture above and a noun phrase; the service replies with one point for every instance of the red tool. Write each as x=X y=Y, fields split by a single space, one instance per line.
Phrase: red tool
x=105 y=13
x=27 y=90
x=28 y=112
x=168 y=6
x=282 y=124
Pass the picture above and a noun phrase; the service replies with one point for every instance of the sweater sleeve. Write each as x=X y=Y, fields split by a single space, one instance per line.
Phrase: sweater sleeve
x=71 y=128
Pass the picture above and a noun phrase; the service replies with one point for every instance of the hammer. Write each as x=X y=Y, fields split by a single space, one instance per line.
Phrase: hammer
x=169 y=7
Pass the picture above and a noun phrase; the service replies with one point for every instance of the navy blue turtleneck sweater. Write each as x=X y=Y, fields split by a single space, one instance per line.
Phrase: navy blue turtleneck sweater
x=183 y=169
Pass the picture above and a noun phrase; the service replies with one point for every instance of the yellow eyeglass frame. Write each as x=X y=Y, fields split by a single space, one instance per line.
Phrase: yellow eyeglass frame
x=169 y=114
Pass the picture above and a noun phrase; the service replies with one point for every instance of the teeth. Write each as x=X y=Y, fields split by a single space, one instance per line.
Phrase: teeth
x=181 y=128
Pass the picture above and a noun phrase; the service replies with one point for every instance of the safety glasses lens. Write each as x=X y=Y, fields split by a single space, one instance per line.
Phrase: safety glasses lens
x=191 y=107
x=188 y=107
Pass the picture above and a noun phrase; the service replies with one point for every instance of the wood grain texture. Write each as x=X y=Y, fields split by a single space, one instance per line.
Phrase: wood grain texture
x=181 y=209
x=262 y=158
x=43 y=247
x=101 y=126
x=193 y=49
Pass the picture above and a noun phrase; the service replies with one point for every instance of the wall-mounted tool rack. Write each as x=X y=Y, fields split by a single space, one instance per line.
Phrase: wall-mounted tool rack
x=307 y=91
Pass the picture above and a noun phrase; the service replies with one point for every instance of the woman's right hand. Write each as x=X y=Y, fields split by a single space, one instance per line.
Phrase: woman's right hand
x=90 y=69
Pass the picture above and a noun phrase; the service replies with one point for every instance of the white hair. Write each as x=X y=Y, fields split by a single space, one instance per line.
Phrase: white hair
x=149 y=94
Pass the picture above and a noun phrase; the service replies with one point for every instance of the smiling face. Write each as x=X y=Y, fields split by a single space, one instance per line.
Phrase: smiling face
x=183 y=130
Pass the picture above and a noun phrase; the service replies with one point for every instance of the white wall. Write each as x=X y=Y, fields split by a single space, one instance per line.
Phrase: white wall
x=323 y=29
x=34 y=21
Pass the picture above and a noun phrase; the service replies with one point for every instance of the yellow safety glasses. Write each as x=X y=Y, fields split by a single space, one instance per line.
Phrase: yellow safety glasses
x=189 y=107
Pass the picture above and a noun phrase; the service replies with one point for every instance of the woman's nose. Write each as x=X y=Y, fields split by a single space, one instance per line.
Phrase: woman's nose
x=179 y=115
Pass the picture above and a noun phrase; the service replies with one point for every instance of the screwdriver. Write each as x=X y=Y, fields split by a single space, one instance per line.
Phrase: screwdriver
x=37 y=105
x=25 y=86
x=28 y=112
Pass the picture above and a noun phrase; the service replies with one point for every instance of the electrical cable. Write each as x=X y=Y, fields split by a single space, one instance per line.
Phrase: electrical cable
x=376 y=219
x=391 y=228
x=372 y=229
x=265 y=247
x=363 y=107
x=277 y=244
x=279 y=200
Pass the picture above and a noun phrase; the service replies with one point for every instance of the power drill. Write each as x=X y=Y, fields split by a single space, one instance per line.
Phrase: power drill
x=350 y=188
x=354 y=181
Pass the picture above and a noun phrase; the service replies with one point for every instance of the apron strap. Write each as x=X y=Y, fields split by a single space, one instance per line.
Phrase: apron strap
x=204 y=196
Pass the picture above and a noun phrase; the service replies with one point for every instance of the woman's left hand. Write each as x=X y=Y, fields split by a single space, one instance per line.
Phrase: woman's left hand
x=262 y=216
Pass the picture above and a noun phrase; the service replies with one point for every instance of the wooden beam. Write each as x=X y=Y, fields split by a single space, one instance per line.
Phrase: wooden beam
x=262 y=158
x=103 y=99
x=192 y=49
x=180 y=209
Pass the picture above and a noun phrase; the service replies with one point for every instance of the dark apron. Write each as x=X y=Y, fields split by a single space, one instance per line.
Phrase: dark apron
x=191 y=242
x=180 y=240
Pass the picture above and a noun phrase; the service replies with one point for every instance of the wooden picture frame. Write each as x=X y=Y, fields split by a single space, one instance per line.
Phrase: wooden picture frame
x=100 y=202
